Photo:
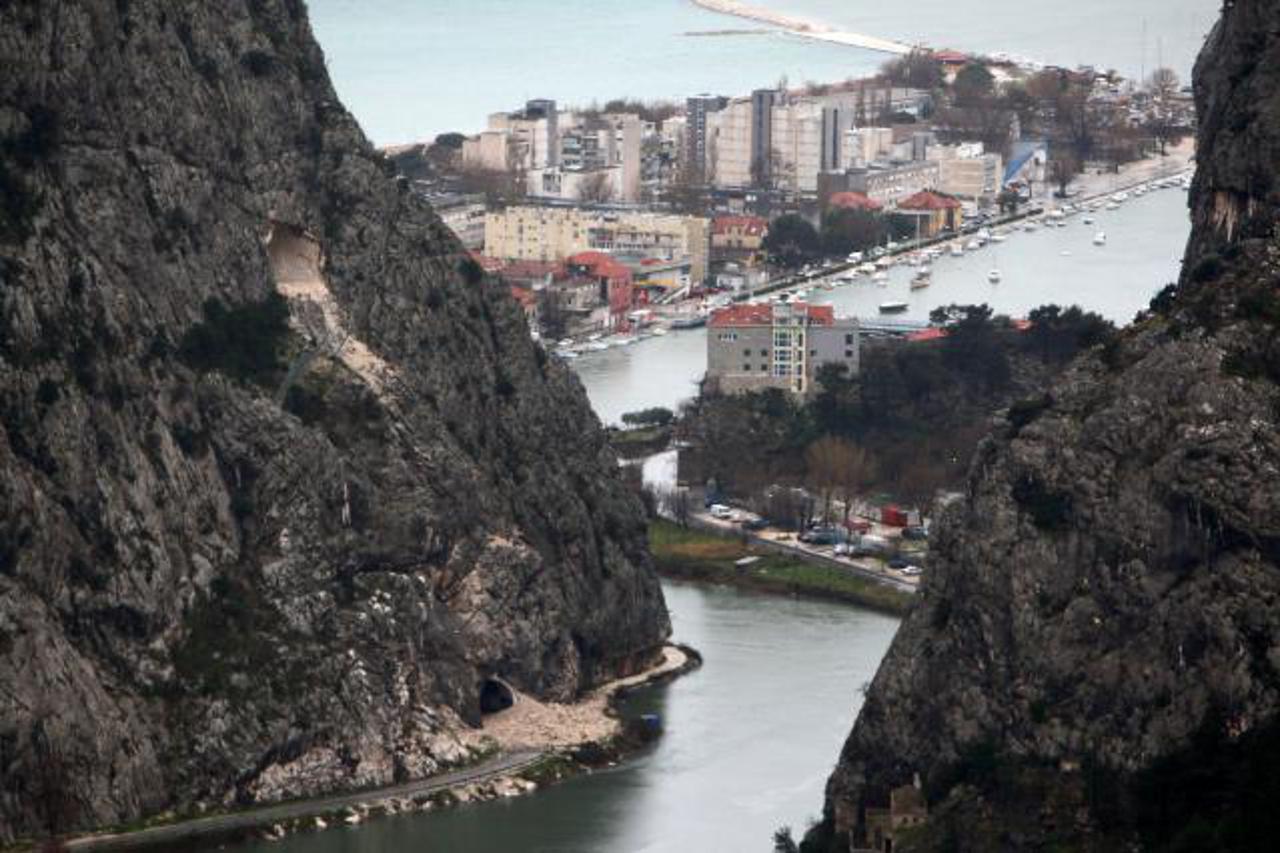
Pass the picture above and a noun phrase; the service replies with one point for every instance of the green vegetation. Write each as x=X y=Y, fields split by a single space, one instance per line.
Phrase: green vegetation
x=687 y=554
x=657 y=416
x=792 y=241
x=245 y=342
x=918 y=410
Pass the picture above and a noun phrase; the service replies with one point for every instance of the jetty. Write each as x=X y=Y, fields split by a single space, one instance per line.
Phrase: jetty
x=804 y=28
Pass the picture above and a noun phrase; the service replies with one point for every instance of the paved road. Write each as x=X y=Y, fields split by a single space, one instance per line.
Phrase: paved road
x=227 y=824
x=800 y=552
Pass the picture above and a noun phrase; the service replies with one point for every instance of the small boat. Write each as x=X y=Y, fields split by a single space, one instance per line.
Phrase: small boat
x=1088 y=220
x=1029 y=227
x=1113 y=205
x=956 y=250
x=884 y=263
x=893 y=307
x=880 y=278
x=923 y=278
x=994 y=276
x=973 y=246
x=1100 y=239
x=566 y=354
x=659 y=331
x=999 y=237
x=867 y=269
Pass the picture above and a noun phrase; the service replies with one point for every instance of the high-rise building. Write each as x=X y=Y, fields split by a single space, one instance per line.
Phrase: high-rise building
x=697 y=149
x=762 y=104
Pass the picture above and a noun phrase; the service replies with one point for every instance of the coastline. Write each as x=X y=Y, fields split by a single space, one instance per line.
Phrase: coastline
x=803 y=27
x=525 y=747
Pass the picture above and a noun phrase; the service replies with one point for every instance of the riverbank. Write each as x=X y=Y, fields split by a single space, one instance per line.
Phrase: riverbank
x=696 y=555
x=528 y=745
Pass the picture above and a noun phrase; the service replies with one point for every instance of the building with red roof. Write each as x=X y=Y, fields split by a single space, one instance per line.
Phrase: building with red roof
x=934 y=211
x=614 y=280
x=738 y=238
x=757 y=347
x=854 y=201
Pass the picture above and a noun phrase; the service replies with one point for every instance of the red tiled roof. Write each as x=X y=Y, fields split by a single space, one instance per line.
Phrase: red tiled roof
x=524 y=296
x=488 y=264
x=753 y=225
x=931 y=334
x=600 y=264
x=950 y=56
x=531 y=269
x=929 y=200
x=762 y=315
x=854 y=201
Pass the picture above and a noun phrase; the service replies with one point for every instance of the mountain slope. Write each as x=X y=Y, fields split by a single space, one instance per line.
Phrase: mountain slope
x=1095 y=661
x=282 y=477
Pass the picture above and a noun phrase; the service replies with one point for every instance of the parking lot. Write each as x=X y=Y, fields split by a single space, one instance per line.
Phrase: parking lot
x=876 y=568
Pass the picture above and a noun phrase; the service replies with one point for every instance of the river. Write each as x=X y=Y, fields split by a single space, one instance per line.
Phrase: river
x=1143 y=253
x=409 y=70
x=750 y=738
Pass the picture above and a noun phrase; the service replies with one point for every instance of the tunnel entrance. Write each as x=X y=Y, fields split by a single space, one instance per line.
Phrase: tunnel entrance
x=296 y=260
x=495 y=696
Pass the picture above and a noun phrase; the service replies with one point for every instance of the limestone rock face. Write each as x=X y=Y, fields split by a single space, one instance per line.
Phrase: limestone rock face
x=282 y=477
x=1104 y=607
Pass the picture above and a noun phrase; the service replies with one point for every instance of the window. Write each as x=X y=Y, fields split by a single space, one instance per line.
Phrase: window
x=747 y=353
x=746 y=368
x=848 y=340
x=764 y=353
x=813 y=353
x=848 y=353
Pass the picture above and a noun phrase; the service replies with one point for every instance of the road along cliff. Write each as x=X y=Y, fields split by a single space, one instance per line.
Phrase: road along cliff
x=1095 y=659
x=285 y=488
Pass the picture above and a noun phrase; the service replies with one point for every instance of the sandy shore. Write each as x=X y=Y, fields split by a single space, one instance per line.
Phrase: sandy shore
x=803 y=26
x=533 y=725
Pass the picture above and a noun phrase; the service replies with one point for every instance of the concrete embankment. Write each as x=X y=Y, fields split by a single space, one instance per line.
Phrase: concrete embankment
x=804 y=28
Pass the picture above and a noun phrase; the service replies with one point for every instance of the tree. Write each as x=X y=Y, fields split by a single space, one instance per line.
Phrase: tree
x=656 y=417
x=1008 y=200
x=845 y=231
x=551 y=314
x=1063 y=168
x=783 y=842
x=973 y=84
x=792 y=241
x=596 y=188
x=918 y=69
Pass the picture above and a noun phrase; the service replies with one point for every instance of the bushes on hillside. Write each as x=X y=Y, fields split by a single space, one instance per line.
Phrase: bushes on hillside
x=245 y=342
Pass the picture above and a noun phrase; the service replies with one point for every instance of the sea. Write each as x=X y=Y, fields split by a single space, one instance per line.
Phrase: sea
x=412 y=69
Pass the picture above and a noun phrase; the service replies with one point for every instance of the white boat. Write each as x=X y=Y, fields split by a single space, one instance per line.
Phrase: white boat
x=880 y=277
x=1100 y=239
x=867 y=269
x=999 y=237
x=893 y=307
x=1088 y=220
x=923 y=278
x=597 y=346
x=973 y=246
x=956 y=250
x=1029 y=227
x=566 y=354
x=994 y=276
x=660 y=330
x=1113 y=205
x=884 y=263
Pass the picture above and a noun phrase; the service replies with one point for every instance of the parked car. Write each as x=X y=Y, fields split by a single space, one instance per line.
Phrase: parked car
x=721 y=512
x=821 y=536
x=898 y=563
x=755 y=524
x=917 y=533
x=913 y=571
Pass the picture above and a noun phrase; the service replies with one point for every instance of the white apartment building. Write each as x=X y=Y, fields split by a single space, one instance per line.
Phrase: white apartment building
x=967 y=172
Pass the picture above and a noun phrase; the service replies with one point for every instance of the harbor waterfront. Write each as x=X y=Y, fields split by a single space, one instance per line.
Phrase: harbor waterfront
x=1143 y=253
x=703 y=786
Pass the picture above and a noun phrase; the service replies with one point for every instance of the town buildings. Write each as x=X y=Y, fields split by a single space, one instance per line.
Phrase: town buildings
x=554 y=233
x=738 y=239
x=967 y=171
x=757 y=347
x=463 y=213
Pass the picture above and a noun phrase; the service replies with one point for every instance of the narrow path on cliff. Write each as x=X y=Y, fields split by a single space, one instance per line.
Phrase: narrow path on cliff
x=228 y=824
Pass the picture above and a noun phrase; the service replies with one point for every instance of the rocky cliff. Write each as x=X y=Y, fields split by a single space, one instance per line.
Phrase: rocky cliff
x=283 y=480
x=1095 y=660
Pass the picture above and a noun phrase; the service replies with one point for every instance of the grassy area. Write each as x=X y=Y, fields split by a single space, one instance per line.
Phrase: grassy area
x=698 y=555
